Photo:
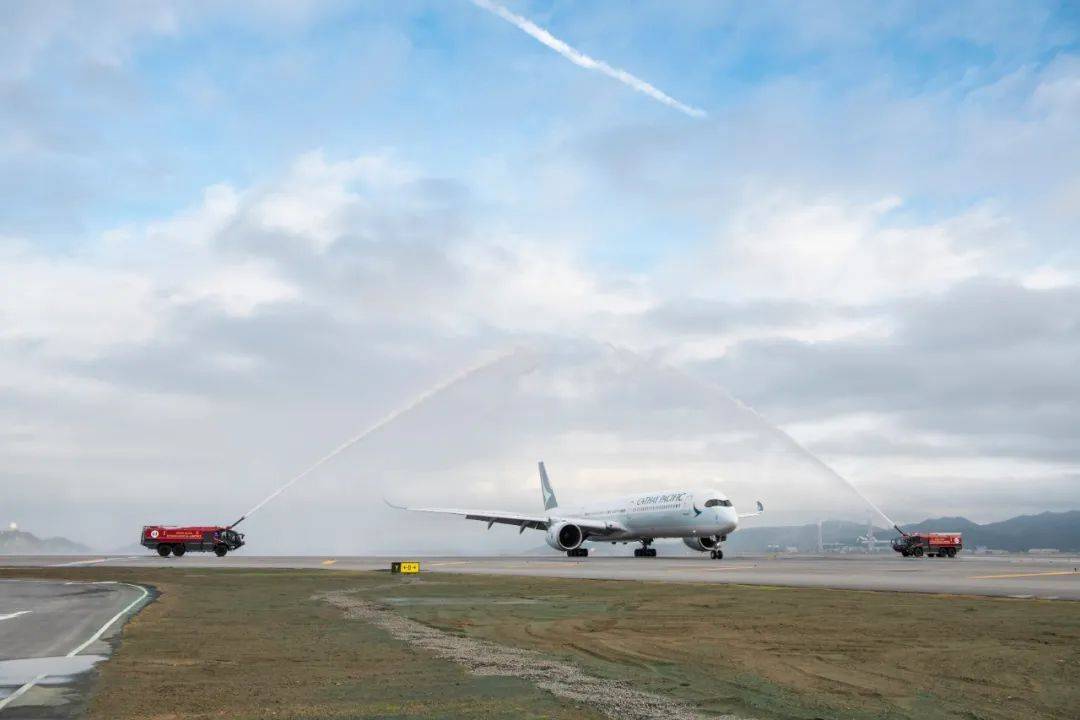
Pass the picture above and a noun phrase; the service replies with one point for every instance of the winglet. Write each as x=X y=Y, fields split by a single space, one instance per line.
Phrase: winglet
x=760 y=509
x=396 y=507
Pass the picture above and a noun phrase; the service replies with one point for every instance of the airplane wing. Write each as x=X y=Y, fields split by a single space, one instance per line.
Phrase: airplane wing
x=760 y=509
x=522 y=521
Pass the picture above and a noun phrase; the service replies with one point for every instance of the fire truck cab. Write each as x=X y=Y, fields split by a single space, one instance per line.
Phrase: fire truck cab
x=179 y=540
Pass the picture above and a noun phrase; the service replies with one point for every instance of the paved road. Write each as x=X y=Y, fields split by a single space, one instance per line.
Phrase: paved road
x=1011 y=576
x=51 y=636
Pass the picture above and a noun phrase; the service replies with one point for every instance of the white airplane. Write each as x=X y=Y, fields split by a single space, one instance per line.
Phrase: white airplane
x=870 y=542
x=703 y=518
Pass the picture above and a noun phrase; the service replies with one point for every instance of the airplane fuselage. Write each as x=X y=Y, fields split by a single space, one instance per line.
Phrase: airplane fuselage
x=670 y=513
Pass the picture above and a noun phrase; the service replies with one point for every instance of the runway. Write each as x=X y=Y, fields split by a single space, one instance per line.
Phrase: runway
x=52 y=634
x=1016 y=576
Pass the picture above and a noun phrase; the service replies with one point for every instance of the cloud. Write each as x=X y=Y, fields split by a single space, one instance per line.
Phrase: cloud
x=256 y=337
x=64 y=307
x=875 y=249
x=983 y=369
x=829 y=249
x=582 y=60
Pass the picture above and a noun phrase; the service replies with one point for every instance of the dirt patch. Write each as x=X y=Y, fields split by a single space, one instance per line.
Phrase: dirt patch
x=454 y=601
x=614 y=698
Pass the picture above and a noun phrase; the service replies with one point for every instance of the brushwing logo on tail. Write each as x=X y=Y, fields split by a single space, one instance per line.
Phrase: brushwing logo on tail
x=545 y=489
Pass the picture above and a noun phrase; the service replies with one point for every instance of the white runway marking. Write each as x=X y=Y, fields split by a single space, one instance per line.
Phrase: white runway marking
x=81 y=562
x=15 y=614
x=15 y=695
x=95 y=561
x=93 y=638
x=101 y=631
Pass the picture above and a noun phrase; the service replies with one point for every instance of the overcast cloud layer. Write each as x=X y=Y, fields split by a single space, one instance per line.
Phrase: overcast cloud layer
x=230 y=238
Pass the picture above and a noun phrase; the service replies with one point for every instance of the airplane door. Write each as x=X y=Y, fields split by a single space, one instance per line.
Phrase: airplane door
x=687 y=503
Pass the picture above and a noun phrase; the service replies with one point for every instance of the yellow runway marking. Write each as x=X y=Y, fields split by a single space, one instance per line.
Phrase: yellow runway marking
x=1016 y=575
x=328 y=562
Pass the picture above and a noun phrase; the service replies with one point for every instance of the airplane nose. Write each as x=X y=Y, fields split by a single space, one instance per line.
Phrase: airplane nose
x=729 y=519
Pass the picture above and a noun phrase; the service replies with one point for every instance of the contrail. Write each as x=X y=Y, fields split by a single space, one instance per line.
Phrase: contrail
x=581 y=59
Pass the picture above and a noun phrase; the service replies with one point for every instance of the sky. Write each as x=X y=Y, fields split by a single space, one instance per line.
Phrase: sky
x=234 y=235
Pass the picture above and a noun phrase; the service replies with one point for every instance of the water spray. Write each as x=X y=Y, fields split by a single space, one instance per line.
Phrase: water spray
x=780 y=434
x=379 y=425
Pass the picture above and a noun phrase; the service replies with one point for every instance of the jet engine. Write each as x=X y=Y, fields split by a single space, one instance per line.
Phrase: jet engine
x=564 y=536
x=701 y=544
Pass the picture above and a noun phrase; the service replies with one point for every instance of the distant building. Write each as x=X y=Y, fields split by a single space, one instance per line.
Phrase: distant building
x=1044 y=551
x=984 y=550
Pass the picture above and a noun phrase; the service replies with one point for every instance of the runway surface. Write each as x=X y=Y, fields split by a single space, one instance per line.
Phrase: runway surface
x=52 y=633
x=1018 y=576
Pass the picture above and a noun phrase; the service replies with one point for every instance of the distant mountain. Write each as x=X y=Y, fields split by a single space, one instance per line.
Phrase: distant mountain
x=1046 y=530
x=18 y=542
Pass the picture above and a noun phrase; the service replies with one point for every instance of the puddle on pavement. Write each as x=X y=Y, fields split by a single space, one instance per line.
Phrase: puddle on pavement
x=57 y=670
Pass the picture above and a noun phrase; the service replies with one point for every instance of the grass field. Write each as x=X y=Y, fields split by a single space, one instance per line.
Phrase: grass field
x=261 y=643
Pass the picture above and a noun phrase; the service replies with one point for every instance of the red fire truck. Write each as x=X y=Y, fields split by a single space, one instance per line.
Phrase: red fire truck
x=938 y=544
x=179 y=540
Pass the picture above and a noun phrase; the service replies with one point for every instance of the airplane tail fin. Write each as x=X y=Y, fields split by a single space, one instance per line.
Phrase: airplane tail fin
x=545 y=489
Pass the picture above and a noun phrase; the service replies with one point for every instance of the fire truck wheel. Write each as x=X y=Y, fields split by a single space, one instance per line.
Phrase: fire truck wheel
x=917 y=552
x=220 y=550
x=164 y=550
x=179 y=550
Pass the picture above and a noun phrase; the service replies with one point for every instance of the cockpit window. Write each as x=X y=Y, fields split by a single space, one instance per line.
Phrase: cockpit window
x=717 y=503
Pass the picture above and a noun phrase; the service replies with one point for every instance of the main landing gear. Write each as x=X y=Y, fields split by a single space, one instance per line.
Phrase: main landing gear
x=578 y=552
x=645 y=550
x=717 y=554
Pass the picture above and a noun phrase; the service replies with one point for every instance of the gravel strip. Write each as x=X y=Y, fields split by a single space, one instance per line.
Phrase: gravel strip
x=614 y=698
